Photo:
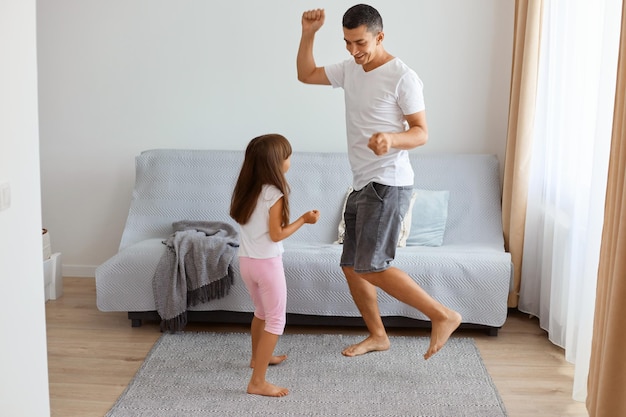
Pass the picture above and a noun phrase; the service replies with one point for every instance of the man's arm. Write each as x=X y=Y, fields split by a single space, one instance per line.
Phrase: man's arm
x=308 y=71
x=416 y=135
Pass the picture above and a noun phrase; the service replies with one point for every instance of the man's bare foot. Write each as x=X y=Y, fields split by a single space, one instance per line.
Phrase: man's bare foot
x=267 y=389
x=441 y=331
x=371 y=344
x=274 y=360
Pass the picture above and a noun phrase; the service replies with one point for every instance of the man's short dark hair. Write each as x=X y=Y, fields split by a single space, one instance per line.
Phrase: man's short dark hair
x=362 y=14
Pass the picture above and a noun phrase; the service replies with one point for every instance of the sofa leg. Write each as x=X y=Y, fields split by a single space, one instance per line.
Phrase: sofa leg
x=138 y=317
x=492 y=331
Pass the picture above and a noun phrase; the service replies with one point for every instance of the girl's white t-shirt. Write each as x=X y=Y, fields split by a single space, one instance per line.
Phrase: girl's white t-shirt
x=254 y=239
x=376 y=101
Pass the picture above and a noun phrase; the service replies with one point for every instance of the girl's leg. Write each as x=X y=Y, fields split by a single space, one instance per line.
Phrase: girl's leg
x=247 y=268
x=256 y=330
x=272 y=292
x=264 y=351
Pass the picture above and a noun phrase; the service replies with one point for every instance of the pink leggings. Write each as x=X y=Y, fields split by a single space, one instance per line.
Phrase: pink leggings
x=265 y=281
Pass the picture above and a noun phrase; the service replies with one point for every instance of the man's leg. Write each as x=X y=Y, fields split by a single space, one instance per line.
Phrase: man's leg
x=364 y=296
x=376 y=248
x=401 y=286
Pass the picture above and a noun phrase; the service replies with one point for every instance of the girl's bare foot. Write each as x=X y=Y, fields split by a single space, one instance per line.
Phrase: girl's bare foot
x=267 y=389
x=274 y=360
x=370 y=344
x=441 y=331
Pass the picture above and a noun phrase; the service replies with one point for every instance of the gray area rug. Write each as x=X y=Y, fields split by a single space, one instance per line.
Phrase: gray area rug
x=206 y=374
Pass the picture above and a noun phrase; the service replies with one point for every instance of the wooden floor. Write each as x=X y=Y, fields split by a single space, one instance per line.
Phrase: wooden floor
x=92 y=356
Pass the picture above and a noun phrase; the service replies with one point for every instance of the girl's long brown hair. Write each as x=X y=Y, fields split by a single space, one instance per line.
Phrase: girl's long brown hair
x=262 y=164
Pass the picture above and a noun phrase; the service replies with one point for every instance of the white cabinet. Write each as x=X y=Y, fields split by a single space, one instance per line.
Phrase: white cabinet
x=53 y=280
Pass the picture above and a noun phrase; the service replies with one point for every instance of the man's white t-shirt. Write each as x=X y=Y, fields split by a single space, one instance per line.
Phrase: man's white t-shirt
x=254 y=239
x=376 y=101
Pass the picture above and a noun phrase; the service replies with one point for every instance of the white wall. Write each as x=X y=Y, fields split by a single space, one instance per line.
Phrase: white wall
x=118 y=77
x=23 y=359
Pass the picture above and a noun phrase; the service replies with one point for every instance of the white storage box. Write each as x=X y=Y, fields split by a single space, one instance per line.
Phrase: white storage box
x=53 y=280
x=47 y=249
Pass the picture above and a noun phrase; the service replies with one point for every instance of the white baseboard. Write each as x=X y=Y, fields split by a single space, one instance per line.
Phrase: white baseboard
x=79 y=271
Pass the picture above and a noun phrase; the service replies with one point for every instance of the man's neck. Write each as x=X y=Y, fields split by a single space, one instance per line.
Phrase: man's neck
x=382 y=58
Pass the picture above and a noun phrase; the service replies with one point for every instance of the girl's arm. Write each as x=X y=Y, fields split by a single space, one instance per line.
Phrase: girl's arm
x=279 y=232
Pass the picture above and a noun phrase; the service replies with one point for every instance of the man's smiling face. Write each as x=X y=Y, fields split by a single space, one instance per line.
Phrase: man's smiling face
x=362 y=45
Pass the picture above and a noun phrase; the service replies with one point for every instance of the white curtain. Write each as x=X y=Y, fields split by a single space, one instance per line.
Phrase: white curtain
x=575 y=98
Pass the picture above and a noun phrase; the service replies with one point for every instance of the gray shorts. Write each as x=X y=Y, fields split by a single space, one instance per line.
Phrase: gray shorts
x=373 y=218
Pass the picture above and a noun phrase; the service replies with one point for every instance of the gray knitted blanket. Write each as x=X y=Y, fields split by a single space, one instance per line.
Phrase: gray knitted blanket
x=195 y=268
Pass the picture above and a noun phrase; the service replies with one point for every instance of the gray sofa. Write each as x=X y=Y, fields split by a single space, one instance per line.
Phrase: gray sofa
x=469 y=272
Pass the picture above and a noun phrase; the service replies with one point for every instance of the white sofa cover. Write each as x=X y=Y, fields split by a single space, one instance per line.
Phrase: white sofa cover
x=470 y=272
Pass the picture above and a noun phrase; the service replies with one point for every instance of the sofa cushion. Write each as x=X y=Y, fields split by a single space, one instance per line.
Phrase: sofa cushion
x=429 y=217
x=341 y=229
x=405 y=230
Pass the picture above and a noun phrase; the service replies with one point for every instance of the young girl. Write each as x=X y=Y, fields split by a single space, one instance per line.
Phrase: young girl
x=260 y=204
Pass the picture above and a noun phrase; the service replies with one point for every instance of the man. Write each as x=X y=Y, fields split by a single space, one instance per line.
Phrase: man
x=385 y=118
